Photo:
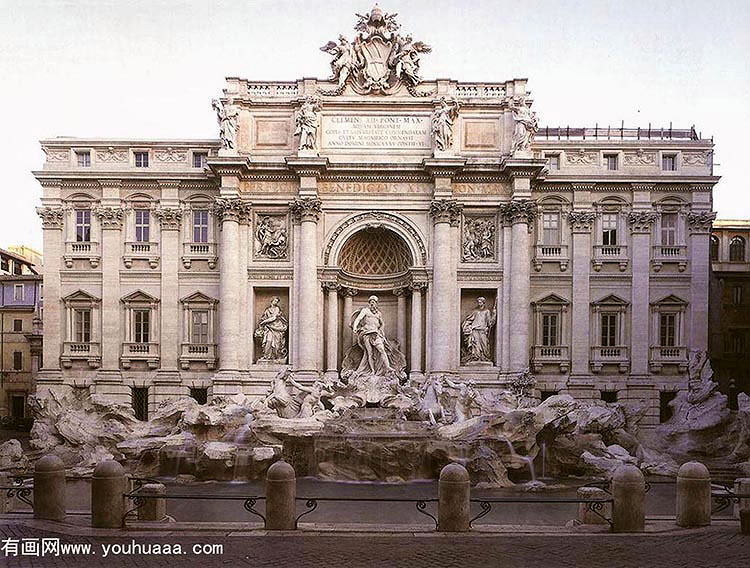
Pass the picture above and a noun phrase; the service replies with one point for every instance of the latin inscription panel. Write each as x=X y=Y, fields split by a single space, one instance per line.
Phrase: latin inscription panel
x=393 y=132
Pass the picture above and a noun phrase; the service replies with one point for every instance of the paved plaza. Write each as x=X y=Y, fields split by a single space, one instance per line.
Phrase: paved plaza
x=720 y=545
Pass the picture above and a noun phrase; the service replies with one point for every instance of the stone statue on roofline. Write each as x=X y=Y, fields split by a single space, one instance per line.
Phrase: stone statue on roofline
x=307 y=121
x=526 y=126
x=227 y=119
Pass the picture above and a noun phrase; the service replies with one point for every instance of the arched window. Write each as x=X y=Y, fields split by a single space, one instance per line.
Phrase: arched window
x=714 y=248
x=737 y=250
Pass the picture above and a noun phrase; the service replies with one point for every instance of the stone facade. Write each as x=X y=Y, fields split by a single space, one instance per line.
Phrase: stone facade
x=591 y=245
x=729 y=311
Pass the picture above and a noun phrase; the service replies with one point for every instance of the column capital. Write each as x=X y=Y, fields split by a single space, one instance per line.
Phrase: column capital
x=231 y=209
x=519 y=211
x=700 y=221
x=170 y=218
x=347 y=291
x=581 y=221
x=641 y=221
x=331 y=287
x=305 y=209
x=52 y=217
x=110 y=217
x=400 y=292
x=418 y=286
x=446 y=211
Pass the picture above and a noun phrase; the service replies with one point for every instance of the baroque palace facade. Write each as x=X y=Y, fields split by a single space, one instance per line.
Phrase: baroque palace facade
x=205 y=267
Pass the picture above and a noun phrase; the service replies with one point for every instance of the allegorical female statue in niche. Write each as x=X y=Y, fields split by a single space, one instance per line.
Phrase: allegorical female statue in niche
x=271 y=332
x=475 y=331
x=373 y=360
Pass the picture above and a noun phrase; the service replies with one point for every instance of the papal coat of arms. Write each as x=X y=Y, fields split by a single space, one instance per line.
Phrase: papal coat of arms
x=379 y=60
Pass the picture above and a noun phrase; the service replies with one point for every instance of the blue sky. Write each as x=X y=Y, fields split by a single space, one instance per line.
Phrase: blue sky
x=149 y=69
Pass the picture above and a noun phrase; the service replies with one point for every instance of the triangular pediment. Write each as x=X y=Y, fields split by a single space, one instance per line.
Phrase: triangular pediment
x=198 y=298
x=670 y=300
x=552 y=299
x=80 y=296
x=611 y=300
x=141 y=297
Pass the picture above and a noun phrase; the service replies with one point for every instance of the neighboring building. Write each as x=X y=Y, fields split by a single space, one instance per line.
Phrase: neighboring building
x=20 y=341
x=30 y=254
x=730 y=305
x=14 y=264
x=161 y=256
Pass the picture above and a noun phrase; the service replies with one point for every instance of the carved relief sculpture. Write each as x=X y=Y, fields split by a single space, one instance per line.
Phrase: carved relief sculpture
x=227 y=119
x=307 y=121
x=271 y=332
x=526 y=126
x=271 y=238
x=379 y=60
x=479 y=238
x=475 y=332
x=640 y=158
x=443 y=118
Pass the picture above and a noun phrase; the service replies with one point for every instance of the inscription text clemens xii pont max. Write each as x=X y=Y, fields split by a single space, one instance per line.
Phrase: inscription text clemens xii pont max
x=376 y=131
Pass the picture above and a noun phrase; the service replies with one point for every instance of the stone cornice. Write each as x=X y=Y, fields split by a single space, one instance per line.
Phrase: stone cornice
x=307 y=167
x=52 y=217
x=581 y=221
x=641 y=221
x=446 y=211
x=305 y=209
x=110 y=217
x=231 y=209
x=700 y=221
x=170 y=218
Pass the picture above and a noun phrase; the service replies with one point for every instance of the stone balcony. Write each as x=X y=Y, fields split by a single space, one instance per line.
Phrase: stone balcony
x=551 y=355
x=199 y=251
x=141 y=251
x=198 y=353
x=84 y=250
x=81 y=351
x=674 y=254
x=616 y=254
x=611 y=355
x=662 y=355
x=148 y=352
x=551 y=253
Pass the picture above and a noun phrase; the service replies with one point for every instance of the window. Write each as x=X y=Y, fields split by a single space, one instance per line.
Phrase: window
x=669 y=229
x=737 y=295
x=82 y=326
x=4 y=265
x=544 y=395
x=84 y=158
x=17 y=325
x=141 y=159
x=737 y=250
x=737 y=341
x=17 y=268
x=608 y=396
x=665 y=410
x=609 y=229
x=200 y=226
x=669 y=162
x=200 y=327
x=142 y=225
x=553 y=160
x=83 y=225
x=714 y=248
x=609 y=329
x=200 y=395
x=199 y=159
x=611 y=161
x=141 y=322
x=667 y=329
x=18 y=292
x=549 y=329
x=139 y=400
x=551 y=228
x=17 y=360
x=18 y=405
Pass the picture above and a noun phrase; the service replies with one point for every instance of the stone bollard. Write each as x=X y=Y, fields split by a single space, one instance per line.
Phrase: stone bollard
x=153 y=509
x=107 y=487
x=49 y=489
x=693 y=495
x=453 y=499
x=281 y=494
x=585 y=515
x=629 y=494
x=741 y=487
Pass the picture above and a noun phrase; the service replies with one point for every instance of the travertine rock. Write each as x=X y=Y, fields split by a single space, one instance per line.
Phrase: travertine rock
x=12 y=456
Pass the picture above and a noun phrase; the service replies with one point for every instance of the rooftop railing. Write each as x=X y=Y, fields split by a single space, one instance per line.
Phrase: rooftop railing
x=617 y=133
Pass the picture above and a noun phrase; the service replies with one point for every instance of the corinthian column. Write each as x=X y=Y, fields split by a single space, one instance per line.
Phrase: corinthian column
x=520 y=214
x=415 y=344
x=581 y=222
x=230 y=211
x=110 y=220
x=306 y=212
x=169 y=220
x=332 y=333
x=699 y=223
x=446 y=213
x=640 y=226
x=348 y=294
x=52 y=225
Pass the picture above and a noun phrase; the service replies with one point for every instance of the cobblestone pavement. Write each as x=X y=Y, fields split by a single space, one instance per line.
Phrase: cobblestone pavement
x=715 y=546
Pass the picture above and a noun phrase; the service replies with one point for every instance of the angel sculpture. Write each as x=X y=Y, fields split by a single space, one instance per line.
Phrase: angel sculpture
x=526 y=126
x=405 y=58
x=344 y=59
x=307 y=123
x=442 y=124
x=227 y=120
